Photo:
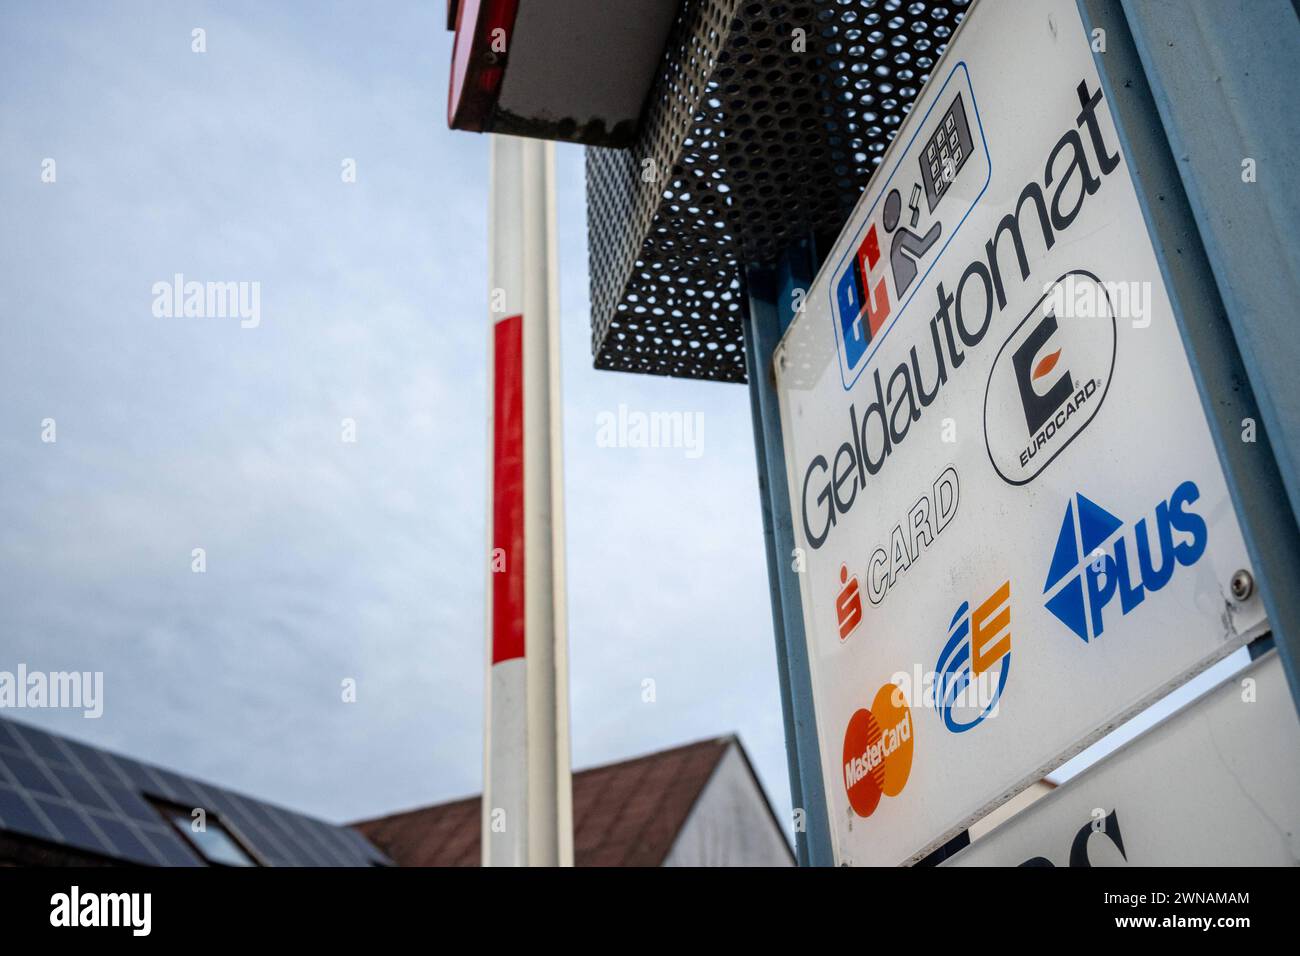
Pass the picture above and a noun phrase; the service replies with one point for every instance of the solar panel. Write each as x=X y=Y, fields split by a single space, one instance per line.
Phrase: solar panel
x=167 y=843
x=73 y=827
x=18 y=814
x=130 y=842
x=130 y=804
x=29 y=775
x=45 y=746
x=250 y=821
x=302 y=839
x=140 y=777
x=8 y=738
x=335 y=849
x=97 y=763
x=65 y=792
x=178 y=788
x=81 y=788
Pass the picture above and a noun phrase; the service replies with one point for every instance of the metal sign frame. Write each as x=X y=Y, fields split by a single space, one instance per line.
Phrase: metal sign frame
x=1177 y=134
x=1146 y=802
x=1233 y=288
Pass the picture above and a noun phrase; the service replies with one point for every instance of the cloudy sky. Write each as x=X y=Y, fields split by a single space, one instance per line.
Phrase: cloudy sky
x=326 y=560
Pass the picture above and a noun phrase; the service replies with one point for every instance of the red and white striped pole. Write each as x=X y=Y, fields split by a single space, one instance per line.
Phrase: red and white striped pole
x=527 y=793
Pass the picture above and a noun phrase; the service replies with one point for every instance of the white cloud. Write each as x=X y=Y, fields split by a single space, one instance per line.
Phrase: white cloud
x=325 y=560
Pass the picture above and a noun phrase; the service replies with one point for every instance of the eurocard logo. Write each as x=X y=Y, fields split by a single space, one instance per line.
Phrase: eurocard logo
x=1048 y=382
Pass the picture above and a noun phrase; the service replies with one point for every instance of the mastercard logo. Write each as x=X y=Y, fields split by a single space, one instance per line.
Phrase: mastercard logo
x=878 y=751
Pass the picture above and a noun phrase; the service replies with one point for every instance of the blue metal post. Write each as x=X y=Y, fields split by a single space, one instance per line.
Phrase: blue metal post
x=1196 y=89
x=772 y=299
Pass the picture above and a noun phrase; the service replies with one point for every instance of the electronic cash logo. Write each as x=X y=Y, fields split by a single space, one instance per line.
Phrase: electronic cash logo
x=877 y=278
x=1093 y=563
x=878 y=751
x=975 y=662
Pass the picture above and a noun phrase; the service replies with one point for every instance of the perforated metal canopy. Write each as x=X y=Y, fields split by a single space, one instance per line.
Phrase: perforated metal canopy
x=765 y=123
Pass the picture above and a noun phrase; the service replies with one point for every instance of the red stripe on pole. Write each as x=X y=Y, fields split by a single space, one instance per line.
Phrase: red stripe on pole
x=508 y=489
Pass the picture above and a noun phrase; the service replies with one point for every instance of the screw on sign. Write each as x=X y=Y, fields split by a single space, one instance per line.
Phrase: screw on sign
x=878 y=751
x=1243 y=585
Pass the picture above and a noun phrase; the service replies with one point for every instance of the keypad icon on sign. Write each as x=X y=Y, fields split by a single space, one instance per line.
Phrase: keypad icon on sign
x=946 y=152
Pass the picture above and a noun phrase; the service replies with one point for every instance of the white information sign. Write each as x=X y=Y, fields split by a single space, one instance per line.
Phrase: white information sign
x=1216 y=784
x=996 y=451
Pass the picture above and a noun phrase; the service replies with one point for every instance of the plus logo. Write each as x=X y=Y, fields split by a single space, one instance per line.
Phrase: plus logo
x=1098 y=559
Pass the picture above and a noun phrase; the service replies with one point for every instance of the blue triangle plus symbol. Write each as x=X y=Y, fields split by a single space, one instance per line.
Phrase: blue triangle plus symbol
x=1096 y=524
x=1066 y=557
x=1067 y=605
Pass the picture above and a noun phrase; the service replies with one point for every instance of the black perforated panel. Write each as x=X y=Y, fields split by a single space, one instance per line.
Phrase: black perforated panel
x=755 y=135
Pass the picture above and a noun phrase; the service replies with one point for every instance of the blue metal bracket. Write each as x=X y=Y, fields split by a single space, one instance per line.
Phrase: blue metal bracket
x=1197 y=88
x=772 y=301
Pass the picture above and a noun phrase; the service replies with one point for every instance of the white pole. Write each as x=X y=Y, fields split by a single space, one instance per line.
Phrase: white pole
x=527 y=805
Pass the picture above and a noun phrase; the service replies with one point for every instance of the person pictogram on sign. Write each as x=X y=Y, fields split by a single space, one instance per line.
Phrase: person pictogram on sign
x=907 y=247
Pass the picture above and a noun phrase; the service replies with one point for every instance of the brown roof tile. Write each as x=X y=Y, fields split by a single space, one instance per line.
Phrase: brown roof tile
x=624 y=814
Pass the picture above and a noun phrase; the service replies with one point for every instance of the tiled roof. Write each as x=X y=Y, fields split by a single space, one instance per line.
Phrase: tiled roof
x=624 y=814
x=67 y=794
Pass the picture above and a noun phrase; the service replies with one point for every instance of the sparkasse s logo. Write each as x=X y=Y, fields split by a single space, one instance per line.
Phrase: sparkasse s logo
x=1092 y=562
x=848 y=604
x=904 y=233
x=978 y=651
x=878 y=750
x=1048 y=382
